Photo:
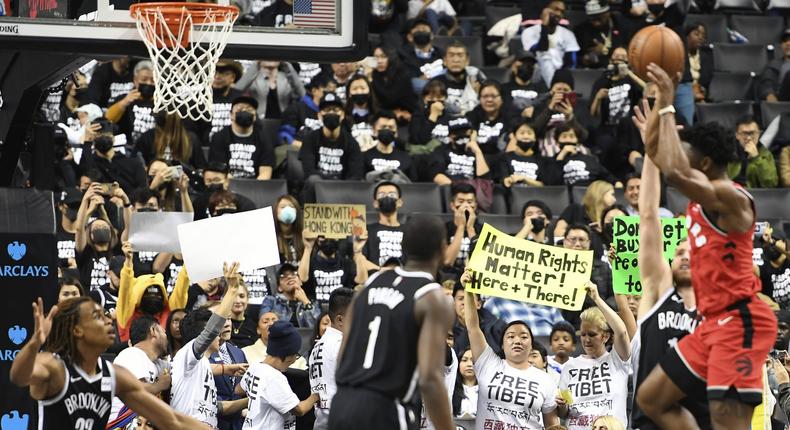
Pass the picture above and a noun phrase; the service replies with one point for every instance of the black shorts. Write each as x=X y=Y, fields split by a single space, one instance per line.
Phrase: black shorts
x=354 y=408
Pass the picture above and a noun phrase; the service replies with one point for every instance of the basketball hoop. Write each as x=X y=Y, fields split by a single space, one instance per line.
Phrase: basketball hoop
x=185 y=41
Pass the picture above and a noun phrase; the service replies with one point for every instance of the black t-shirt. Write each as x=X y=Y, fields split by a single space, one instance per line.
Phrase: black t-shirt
x=279 y=14
x=376 y=161
x=491 y=134
x=200 y=204
x=94 y=268
x=66 y=244
x=582 y=170
x=147 y=147
x=384 y=242
x=535 y=167
x=243 y=154
x=422 y=130
x=129 y=172
x=624 y=94
x=244 y=332
x=107 y=85
x=588 y=36
x=455 y=87
x=776 y=282
x=452 y=164
x=329 y=275
x=516 y=98
x=143 y=262
x=463 y=254
x=338 y=159
x=171 y=273
x=137 y=118
x=258 y=285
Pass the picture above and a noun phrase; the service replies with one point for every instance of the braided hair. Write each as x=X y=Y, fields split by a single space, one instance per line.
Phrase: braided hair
x=61 y=340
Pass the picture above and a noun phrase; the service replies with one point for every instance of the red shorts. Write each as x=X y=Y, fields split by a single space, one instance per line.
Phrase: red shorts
x=728 y=351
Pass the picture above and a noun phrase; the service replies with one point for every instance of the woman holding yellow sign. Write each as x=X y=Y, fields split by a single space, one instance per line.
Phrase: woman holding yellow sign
x=512 y=393
x=596 y=383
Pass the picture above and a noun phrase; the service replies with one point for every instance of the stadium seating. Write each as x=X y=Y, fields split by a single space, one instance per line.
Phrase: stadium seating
x=725 y=114
x=715 y=25
x=766 y=30
x=420 y=196
x=495 y=14
x=556 y=198
x=499 y=74
x=731 y=86
x=771 y=202
x=510 y=224
x=349 y=192
x=769 y=111
x=472 y=43
x=262 y=193
x=270 y=128
x=584 y=80
x=742 y=5
x=733 y=57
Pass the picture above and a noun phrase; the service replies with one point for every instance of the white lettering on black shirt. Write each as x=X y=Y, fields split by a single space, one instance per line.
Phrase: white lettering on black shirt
x=527 y=169
x=326 y=282
x=462 y=165
x=575 y=171
x=329 y=161
x=220 y=118
x=143 y=120
x=241 y=163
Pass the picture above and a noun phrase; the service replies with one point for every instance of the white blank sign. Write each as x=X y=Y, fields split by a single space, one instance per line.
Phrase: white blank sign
x=157 y=231
x=246 y=237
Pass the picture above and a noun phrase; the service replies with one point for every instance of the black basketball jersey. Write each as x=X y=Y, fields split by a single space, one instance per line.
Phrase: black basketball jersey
x=381 y=351
x=84 y=403
x=658 y=332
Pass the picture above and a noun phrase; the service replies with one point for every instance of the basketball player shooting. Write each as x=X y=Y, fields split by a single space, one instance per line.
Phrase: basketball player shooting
x=727 y=350
x=71 y=382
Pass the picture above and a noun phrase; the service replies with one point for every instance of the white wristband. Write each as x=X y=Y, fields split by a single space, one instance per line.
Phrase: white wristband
x=666 y=110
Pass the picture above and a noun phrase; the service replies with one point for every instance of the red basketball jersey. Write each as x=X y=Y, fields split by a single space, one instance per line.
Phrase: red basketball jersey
x=722 y=270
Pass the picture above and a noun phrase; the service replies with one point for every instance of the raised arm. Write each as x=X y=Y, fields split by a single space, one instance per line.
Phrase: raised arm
x=622 y=344
x=223 y=312
x=477 y=340
x=434 y=310
x=33 y=368
x=654 y=270
x=90 y=201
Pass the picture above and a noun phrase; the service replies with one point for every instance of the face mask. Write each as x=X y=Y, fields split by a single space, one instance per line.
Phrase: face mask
x=287 y=215
x=538 y=224
x=151 y=305
x=459 y=144
x=244 y=119
x=608 y=232
x=359 y=99
x=213 y=188
x=524 y=71
x=331 y=121
x=771 y=252
x=386 y=136
x=388 y=205
x=655 y=9
x=225 y=211
x=144 y=210
x=563 y=144
x=101 y=236
x=146 y=90
x=328 y=247
x=421 y=38
x=159 y=118
x=526 y=145
x=451 y=109
x=103 y=144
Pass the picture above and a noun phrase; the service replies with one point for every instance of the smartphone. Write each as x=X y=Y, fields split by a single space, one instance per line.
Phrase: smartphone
x=177 y=171
x=759 y=228
x=108 y=189
x=570 y=98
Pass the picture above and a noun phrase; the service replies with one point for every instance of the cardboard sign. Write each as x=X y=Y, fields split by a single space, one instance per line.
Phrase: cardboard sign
x=246 y=237
x=625 y=267
x=518 y=269
x=335 y=221
x=157 y=231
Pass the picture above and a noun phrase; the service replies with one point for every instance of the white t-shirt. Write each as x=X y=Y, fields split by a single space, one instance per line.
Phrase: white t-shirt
x=323 y=363
x=553 y=365
x=271 y=399
x=450 y=372
x=509 y=397
x=193 y=392
x=136 y=361
x=598 y=387
x=469 y=402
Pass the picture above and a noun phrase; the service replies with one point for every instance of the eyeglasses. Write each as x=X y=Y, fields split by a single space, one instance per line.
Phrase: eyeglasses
x=748 y=133
x=286 y=275
x=382 y=195
x=575 y=240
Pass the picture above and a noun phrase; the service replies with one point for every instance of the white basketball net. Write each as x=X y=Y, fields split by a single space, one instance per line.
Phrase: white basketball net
x=183 y=73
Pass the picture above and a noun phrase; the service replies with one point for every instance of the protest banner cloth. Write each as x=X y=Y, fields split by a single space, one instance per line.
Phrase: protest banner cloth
x=157 y=231
x=625 y=267
x=246 y=237
x=518 y=269
x=335 y=221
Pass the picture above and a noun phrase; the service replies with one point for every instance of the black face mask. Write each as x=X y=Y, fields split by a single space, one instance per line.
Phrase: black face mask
x=151 y=305
x=386 y=136
x=244 y=119
x=421 y=38
x=143 y=210
x=360 y=99
x=331 y=121
x=771 y=252
x=103 y=144
x=388 y=205
x=524 y=71
x=608 y=232
x=459 y=144
x=526 y=145
x=224 y=211
x=101 y=236
x=656 y=9
x=71 y=213
x=538 y=224
x=213 y=188
x=146 y=90
x=328 y=247
x=159 y=118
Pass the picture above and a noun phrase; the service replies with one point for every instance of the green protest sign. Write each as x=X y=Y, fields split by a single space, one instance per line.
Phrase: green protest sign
x=625 y=267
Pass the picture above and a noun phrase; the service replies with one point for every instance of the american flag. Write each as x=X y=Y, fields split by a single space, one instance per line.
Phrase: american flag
x=315 y=13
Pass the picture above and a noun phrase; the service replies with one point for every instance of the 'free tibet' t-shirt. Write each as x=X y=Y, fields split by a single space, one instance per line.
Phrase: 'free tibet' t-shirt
x=510 y=397
x=598 y=387
x=271 y=399
x=193 y=392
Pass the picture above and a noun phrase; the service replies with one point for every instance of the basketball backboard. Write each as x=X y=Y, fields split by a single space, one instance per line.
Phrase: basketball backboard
x=304 y=30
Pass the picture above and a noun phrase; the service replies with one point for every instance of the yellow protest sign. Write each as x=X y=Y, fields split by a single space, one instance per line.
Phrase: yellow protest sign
x=517 y=269
x=335 y=221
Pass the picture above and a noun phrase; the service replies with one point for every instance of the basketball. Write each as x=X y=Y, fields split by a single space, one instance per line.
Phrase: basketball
x=656 y=44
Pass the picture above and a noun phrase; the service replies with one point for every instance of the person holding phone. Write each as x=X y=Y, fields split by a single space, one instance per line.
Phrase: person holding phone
x=558 y=109
x=113 y=166
x=554 y=45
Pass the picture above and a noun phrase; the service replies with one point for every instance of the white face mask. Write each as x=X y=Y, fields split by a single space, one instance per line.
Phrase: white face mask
x=287 y=215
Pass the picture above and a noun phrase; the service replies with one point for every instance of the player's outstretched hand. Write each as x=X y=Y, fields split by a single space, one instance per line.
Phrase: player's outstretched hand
x=664 y=83
x=42 y=324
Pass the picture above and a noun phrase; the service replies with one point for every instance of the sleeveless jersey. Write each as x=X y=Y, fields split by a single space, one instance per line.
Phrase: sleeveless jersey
x=721 y=263
x=381 y=351
x=662 y=327
x=83 y=404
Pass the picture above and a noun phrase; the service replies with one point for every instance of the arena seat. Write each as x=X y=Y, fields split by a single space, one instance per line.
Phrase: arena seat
x=771 y=202
x=734 y=57
x=494 y=14
x=295 y=173
x=730 y=86
x=510 y=224
x=271 y=129
x=725 y=114
x=262 y=193
x=444 y=217
x=741 y=5
x=766 y=30
x=584 y=79
x=769 y=111
x=556 y=198
x=345 y=192
x=575 y=17
x=777 y=4
x=676 y=201
x=715 y=24
x=419 y=196
x=499 y=74
x=473 y=44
